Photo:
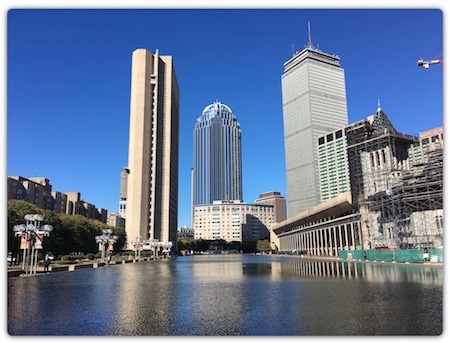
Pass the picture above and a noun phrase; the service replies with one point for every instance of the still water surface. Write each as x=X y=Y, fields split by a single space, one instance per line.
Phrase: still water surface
x=223 y=295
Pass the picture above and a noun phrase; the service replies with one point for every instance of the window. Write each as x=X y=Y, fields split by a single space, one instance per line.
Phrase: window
x=329 y=137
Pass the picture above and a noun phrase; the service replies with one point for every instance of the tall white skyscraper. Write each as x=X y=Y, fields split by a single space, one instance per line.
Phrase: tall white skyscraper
x=217 y=172
x=314 y=104
x=152 y=189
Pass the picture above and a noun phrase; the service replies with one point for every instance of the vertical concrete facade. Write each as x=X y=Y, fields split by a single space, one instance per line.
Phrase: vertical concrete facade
x=123 y=192
x=278 y=202
x=152 y=189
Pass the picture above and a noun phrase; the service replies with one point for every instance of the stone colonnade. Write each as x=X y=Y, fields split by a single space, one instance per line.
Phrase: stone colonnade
x=324 y=240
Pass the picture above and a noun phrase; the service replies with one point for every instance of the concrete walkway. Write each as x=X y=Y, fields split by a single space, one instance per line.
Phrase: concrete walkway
x=14 y=271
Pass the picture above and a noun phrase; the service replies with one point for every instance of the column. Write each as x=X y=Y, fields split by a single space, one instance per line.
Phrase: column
x=336 y=253
x=346 y=235
x=352 y=235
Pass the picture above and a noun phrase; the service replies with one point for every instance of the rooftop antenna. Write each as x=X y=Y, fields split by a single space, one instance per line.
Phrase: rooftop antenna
x=379 y=106
x=309 y=36
x=293 y=51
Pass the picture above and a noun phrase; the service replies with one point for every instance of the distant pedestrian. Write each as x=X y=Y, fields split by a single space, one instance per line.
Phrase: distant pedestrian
x=47 y=262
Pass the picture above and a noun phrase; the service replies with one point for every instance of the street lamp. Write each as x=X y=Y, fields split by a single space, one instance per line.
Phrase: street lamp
x=31 y=236
x=104 y=239
x=153 y=246
x=156 y=245
x=137 y=244
x=166 y=247
x=21 y=231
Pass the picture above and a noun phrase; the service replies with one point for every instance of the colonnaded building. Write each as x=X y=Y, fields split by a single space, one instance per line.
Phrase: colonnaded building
x=389 y=192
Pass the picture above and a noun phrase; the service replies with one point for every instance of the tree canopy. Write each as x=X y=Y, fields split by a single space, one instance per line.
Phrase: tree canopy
x=71 y=234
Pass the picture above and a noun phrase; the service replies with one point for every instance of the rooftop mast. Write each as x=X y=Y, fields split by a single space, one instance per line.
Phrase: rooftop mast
x=309 y=36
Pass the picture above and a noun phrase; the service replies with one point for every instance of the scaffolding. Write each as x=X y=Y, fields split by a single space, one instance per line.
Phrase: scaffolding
x=378 y=158
x=414 y=208
x=396 y=185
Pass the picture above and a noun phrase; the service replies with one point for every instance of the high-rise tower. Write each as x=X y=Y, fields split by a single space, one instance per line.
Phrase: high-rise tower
x=314 y=104
x=123 y=192
x=217 y=172
x=152 y=192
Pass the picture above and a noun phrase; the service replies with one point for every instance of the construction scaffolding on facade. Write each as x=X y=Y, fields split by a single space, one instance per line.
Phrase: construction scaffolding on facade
x=378 y=159
x=414 y=207
x=395 y=201
x=397 y=184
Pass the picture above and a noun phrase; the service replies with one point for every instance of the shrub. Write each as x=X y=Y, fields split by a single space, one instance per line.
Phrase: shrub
x=76 y=258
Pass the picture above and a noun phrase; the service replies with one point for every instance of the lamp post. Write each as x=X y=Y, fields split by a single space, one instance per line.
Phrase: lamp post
x=166 y=247
x=31 y=237
x=105 y=239
x=154 y=245
x=21 y=231
x=138 y=244
x=158 y=247
x=151 y=245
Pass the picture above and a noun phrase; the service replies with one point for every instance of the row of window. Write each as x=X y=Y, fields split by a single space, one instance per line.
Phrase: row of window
x=235 y=209
x=330 y=137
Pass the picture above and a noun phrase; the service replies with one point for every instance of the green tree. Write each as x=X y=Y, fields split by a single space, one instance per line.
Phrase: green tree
x=185 y=244
x=201 y=245
x=249 y=246
x=70 y=233
x=263 y=245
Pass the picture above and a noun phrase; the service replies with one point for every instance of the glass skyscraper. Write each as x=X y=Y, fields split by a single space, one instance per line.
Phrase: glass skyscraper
x=217 y=171
x=314 y=104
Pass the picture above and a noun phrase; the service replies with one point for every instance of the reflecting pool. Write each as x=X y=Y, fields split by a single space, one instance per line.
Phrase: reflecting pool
x=223 y=295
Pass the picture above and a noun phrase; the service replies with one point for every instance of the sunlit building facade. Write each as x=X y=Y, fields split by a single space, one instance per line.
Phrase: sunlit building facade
x=233 y=221
x=278 y=202
x=152 y=188
x=334 y=172
x=314 y=104
x=217 y=171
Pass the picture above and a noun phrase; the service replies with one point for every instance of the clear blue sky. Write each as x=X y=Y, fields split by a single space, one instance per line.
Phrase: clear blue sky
x=68 y=84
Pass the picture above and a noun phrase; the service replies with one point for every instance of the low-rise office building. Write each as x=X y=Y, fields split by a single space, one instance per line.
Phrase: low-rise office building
x=233 y=221
x=278 y=202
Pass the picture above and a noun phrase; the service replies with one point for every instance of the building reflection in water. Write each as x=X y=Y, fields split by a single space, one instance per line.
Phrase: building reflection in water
x=377 y=272
x=230 y=295
x=145 y=294
x=215 y=298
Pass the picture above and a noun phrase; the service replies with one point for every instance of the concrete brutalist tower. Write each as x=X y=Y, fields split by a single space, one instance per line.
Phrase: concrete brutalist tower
x=152 y=189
